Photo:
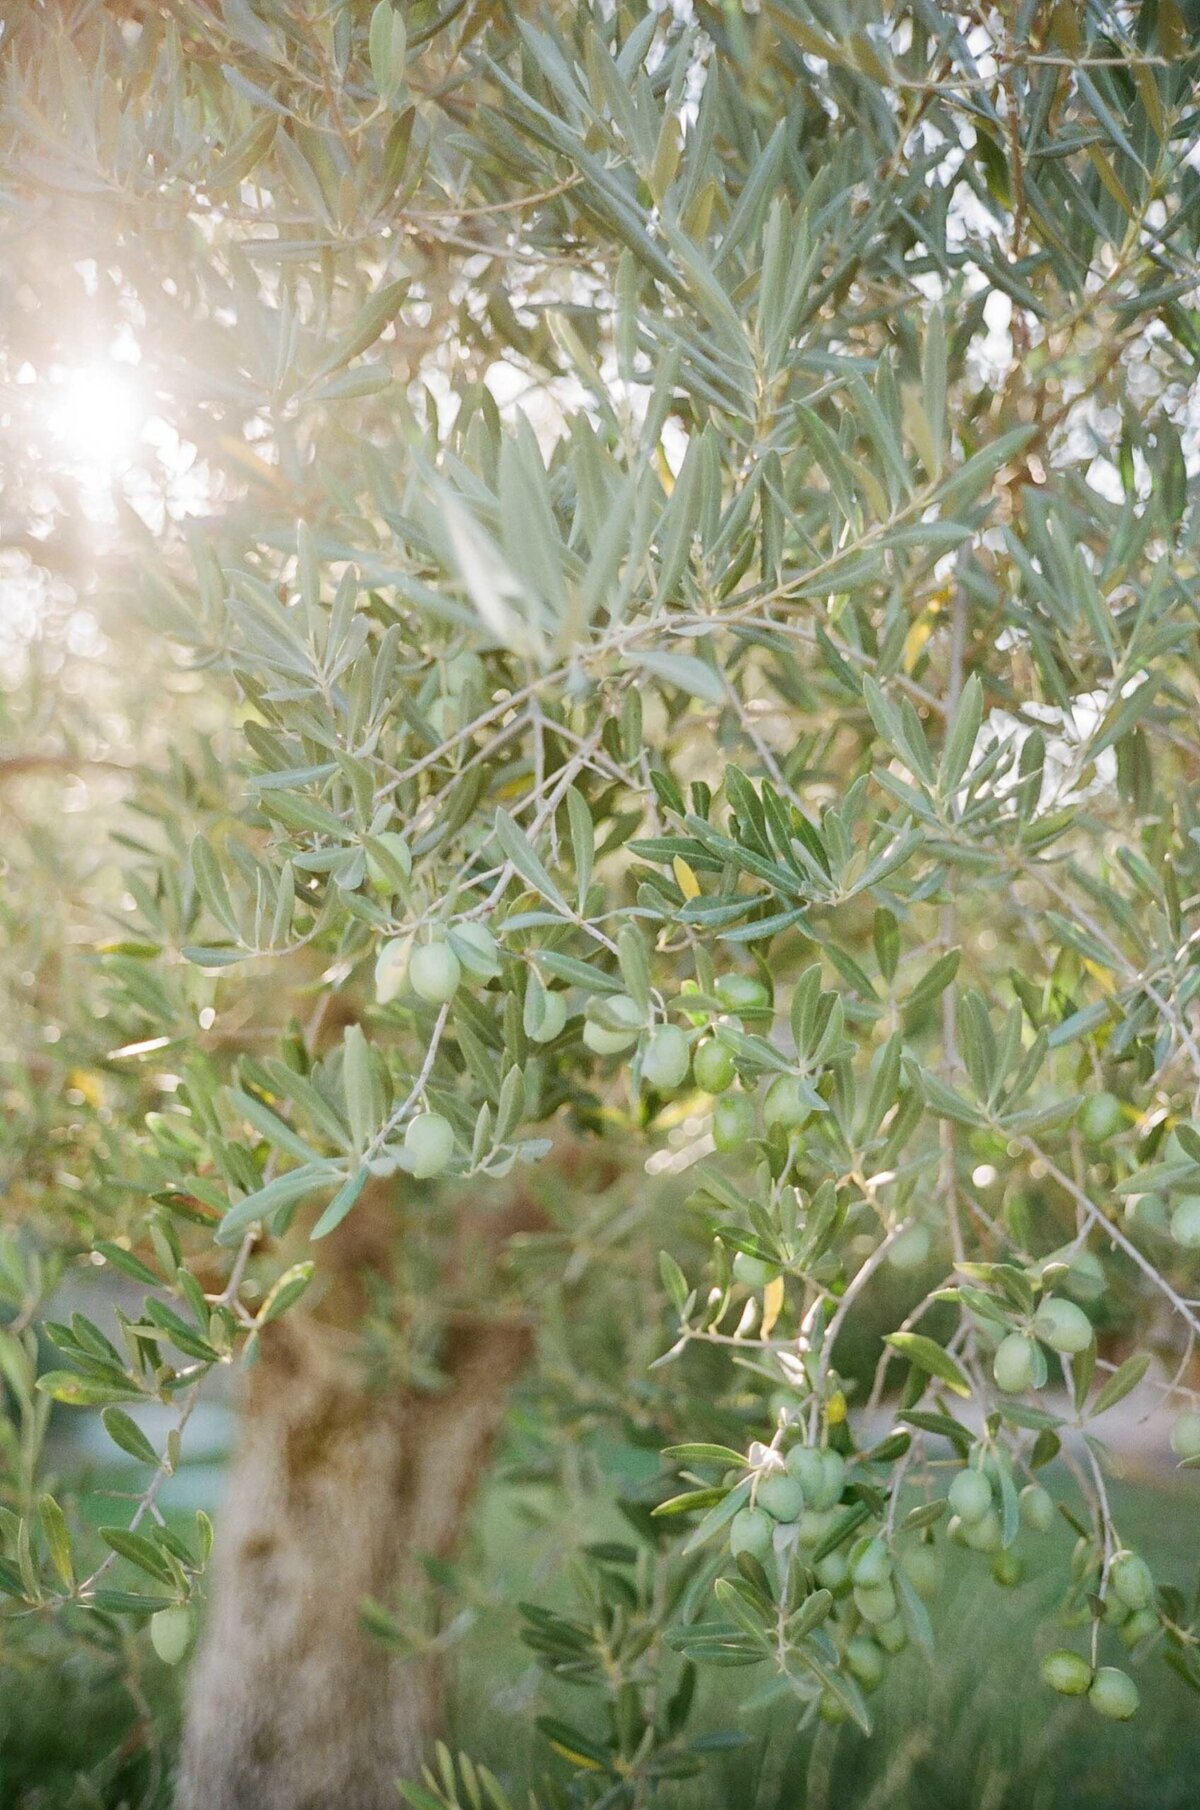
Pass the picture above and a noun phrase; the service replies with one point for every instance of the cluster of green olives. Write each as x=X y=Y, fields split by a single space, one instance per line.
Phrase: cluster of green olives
x=799 y=1492
x=794 y=1506
x=1110 y=1691
x=1020 y=1364
x=975 y=1519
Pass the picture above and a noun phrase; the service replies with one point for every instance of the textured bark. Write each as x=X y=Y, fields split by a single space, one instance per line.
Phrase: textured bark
x=335 y=1493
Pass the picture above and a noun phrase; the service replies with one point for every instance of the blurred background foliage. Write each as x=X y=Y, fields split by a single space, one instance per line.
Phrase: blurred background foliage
x=802 y=389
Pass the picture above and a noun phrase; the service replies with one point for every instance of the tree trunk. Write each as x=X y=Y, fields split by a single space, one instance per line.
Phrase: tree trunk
x=335 y=1493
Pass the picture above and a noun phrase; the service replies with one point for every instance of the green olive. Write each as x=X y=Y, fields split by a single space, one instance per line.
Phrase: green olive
x=815 y=1523
x=984 y=1535
x=784 y=1105
x=1007 y=1570
x=1062 y=1325
x=713 y=1067
x=752 y=1272
x=864 y=1661
x=435 y=972
x=609 y=1039
x=891 y=1635
x=970 y=1496
x=397 y=848
x=923 y=1568
x=1185 y=1435
x=1131 y=1579
x=1138 y=1626
x=429 y=1144
x=751 y=1531
x=1185 y=1223
x=1147 y=1213
x=833 y=1572
x=742 y=993
x=733 y=1122
x=391 y=969
x=833 y=1479
x=476 y=948
x=910 y=1249
x=666 y=1058
x=1037 y=1508
x=1115 y=1612
x=876 y=1603
x=1101 y=1117
x=831 y=1709
x=1013 y=1363
x=804 y=1462
x=781 y=1496
x=870 y=1563
x=1113 y=1694
x=171 y=1633
x=1066 y=1672
x=553 y=1018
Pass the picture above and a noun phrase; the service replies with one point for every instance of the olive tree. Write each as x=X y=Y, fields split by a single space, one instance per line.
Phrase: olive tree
x=686 y=832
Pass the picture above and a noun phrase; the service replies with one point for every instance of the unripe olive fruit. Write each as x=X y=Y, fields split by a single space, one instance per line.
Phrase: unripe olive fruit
x=1185 y=1435
x=752 y=1272
x=391 y=969
x=955 y=1530
x=1085 y=1280
x=781 y=1496
x=713 y=1068
x=870 y=1563
x=400 y=853
x=815 y=1523
x=606 y=1041
x=970 y=1496
x=804 y=1462
x=1113 y=1694
x=553 y=1019
x=1037 y=1508
x=477 y=949
x=1066 y=1672
x=1138 y=1626
x=891 y=1635
x=666 y=1058
x=833 y=1479
x=923 y=1569
x=733 y=1122
x=832 y=1709
x=1062 y=1325
x=1185 y=1223
x=750 y=1531
x=171 y=1633
x=910 y=1250
x=783 y=1104
x=821 y=1473
x=434 y=972
x=1131 y=1579
x=864 y=1661
x=742 y=993
x=429 y=1142
x=1115 y=1612
x=876 y=1603
x=1007 y=1570
x=833 y=1572
x=1013 y=1363
x=984 y=1535
x=1147 y=1213
x=1101 y=1117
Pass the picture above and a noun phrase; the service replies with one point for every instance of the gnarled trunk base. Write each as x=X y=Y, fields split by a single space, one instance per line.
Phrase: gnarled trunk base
x=334 y=1495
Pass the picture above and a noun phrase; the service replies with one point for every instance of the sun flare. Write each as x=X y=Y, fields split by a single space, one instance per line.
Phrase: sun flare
x=97 y=419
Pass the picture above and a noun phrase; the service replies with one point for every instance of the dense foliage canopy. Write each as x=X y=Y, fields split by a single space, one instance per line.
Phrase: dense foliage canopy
x=654 y=593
